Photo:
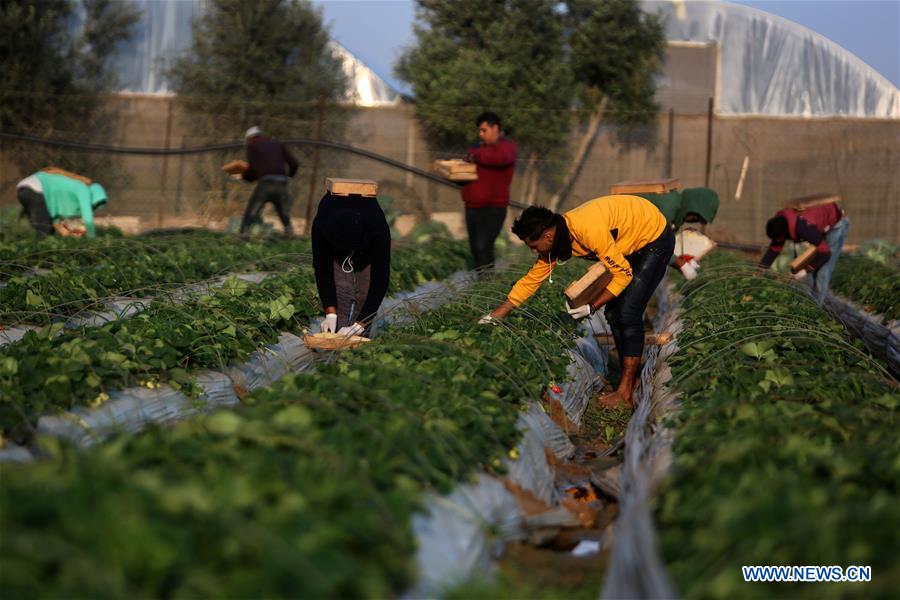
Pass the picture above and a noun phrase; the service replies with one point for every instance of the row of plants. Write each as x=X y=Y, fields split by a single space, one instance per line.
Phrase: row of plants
x=785 y=443
x=305 y=490
x=874 y=285
x=53 y=369
x=79 y=278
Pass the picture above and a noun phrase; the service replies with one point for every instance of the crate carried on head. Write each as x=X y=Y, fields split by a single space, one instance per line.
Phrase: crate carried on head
x=456 y=169
x=589 y=286
x=337 y=186
x=646 y=186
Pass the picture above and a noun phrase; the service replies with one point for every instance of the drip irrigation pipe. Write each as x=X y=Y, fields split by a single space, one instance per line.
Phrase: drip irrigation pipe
x=134 y=151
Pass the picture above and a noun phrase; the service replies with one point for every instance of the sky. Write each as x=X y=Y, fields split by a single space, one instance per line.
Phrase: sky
x=376 y=31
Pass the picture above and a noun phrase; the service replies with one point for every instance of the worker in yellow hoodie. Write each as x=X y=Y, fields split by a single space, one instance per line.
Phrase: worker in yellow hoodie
x=629 y=235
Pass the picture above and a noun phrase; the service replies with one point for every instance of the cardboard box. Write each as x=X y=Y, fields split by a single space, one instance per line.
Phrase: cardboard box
x=799 y=263
x=346 y=187
x=236 y=167
x=804 y=202
x=589 y=286
x=645 y=186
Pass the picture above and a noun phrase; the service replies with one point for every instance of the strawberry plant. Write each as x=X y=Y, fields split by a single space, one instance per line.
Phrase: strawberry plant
x=44 y=373
x=80 y=278
x=785 y=443
x=874 y=285
x=308 y=488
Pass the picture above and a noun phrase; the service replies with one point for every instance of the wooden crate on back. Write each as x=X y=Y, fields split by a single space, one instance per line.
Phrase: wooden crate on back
x=645 y=186
x=804 y=202
x=589 y=286
x=346 y=187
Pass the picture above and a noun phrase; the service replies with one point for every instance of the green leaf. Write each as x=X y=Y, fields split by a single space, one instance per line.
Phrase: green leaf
x=759 y=350
x=35 y=300
x=780 y=377
x=293 y=417
x=9 y=366
x=224 y=423
x=449 y=334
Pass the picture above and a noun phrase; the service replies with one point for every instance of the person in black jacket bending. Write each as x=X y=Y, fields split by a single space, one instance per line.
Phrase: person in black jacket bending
x=351 y=244
x=272 y=165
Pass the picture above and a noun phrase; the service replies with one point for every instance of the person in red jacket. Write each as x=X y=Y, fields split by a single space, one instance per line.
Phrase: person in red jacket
x=487 y=198
x=824 y=226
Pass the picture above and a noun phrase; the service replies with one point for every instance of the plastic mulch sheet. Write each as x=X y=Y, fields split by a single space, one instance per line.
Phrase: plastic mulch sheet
x=121 y=307
x=636 y=568
x=880 y=336
x=132 y=409
x=459 y=535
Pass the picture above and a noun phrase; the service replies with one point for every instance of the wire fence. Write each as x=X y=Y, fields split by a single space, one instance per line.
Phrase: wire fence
x=172 y=178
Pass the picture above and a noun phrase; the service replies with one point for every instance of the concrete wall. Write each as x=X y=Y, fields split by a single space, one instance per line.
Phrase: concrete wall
x=859 y=159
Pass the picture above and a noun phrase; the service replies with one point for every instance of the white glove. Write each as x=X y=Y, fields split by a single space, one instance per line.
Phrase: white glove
x=689 y=271
x=352 y=329
x=694 y=263
x=578 y=313
x=487 y=320
x=329 y=323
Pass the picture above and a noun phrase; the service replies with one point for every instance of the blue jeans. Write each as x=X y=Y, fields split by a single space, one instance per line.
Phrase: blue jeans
x=819 y=279
x=625 y=313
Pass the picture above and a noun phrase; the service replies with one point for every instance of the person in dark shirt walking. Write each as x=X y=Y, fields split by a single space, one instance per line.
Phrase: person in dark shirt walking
x=487 y=198
x=824 y=226
x=272 y=166
x=351 y=244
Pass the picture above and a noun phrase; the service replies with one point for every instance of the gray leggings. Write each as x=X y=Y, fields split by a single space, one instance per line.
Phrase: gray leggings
x=352 y=289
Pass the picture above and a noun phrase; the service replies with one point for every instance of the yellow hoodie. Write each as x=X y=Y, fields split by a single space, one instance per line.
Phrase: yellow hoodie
x=607 y=228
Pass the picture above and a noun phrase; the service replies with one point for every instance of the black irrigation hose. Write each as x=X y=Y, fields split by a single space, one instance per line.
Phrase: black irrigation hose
x=236 y=146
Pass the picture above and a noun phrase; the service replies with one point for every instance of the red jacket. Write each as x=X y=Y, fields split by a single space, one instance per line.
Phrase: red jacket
x=823 y=217
x=496 y=164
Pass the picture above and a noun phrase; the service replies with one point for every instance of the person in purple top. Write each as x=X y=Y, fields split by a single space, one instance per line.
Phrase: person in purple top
x=272 y=166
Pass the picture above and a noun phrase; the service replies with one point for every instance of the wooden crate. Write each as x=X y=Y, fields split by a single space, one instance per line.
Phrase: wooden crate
x=804 y=202
x=646 y=186
x=333 y=341
x=235 y=167
x=456 y=169
x=346 y=187
x=799 y=263
x=589 y=286
x=650 y=339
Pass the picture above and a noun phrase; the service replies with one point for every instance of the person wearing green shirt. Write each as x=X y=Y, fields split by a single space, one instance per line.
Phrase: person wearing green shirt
x=50 y=197
x=691 y=205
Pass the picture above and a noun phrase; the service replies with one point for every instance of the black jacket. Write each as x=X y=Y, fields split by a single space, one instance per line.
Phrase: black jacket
x=268 y=157
x=375 y=250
